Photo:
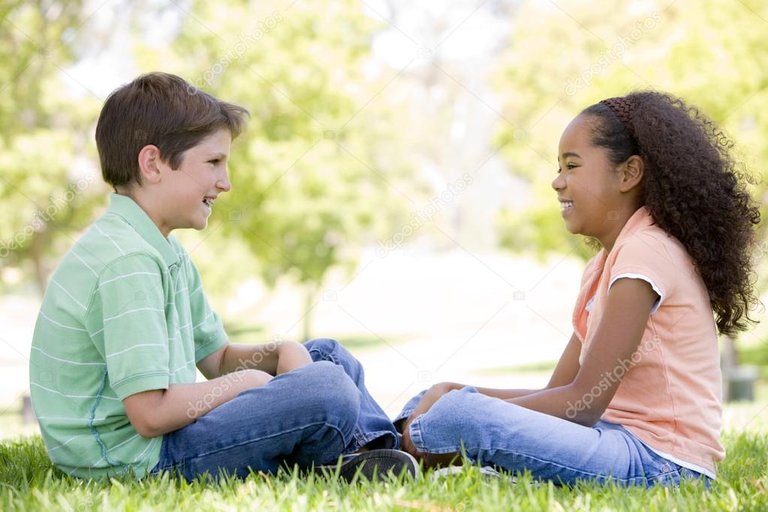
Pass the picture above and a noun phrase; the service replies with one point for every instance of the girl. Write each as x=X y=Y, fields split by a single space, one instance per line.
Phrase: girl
x=636 y=395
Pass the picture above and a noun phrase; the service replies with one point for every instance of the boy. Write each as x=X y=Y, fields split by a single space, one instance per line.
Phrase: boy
x=125 y=321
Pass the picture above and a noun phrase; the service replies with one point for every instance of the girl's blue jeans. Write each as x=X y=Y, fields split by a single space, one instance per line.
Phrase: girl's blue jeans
x=304 y=417
x=493 y=432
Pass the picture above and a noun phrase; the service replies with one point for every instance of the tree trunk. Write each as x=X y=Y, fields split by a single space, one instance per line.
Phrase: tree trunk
x=310 y=291
x=36 y=256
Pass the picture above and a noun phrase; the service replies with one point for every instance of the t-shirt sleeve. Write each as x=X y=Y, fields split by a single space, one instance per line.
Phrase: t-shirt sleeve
x=207 y=328
x=648 y=259
x=132 y=299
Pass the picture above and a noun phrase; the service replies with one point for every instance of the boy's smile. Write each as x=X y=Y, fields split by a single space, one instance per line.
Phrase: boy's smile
x=185 y=196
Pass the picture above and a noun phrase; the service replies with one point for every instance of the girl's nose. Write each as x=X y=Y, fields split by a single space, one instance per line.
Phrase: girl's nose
x=558 y=183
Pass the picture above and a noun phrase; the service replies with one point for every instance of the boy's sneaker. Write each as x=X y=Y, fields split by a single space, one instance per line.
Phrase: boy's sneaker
x=372 y=465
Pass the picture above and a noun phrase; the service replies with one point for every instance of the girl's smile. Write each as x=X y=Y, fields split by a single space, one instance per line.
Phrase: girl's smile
x=589 y=187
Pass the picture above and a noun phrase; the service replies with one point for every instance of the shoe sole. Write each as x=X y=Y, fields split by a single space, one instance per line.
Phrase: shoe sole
x=375 y=465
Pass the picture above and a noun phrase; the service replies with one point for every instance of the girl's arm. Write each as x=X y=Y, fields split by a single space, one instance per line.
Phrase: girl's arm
x=568 y=366
x=565 y=371
x=585 y=398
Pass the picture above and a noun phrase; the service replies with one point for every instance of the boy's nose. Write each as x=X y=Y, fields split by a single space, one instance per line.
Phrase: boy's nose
x=223 y=184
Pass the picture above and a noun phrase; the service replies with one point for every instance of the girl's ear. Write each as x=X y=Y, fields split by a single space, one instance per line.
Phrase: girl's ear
x=632 y=171
x=149 y=158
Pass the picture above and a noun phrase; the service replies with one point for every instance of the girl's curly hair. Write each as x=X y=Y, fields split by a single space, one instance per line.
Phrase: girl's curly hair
x=693 y=189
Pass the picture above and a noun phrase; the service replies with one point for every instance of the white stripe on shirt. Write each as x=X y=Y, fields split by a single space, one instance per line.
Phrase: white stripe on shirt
x=74 y=396
x=113 y=354
x=133 y=311
x=68 y=294
x=129 y=275
x=96 y=225
x=84 y=263
x=79 y=363
x=60 y=324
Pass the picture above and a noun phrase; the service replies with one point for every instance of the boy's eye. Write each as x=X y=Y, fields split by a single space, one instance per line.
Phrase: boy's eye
x=215 y=161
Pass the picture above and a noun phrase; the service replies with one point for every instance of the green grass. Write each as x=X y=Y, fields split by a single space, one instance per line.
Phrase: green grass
x=28 y=481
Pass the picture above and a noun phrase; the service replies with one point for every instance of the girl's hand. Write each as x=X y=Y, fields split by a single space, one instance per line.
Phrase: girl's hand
x=427 y=401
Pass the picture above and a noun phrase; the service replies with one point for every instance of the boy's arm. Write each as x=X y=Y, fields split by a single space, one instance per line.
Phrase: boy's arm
x=273 y=358
x=159 y=411
x=232 y=370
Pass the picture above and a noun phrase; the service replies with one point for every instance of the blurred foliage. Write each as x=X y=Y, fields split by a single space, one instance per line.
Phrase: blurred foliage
x=326 y=166
x=47 y=193
x=713 y=53
x=311 y=180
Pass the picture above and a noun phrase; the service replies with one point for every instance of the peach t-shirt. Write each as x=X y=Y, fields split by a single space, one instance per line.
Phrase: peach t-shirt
x=670 y=394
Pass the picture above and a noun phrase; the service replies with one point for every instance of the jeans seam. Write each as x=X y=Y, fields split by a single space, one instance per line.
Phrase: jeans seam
x=185 y=460
x=581 y=474
x=418 y=441
x=325 y=356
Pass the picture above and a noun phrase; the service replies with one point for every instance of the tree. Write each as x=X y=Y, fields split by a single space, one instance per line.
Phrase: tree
x=46 y=190
x=711 y=53
x=311 y=182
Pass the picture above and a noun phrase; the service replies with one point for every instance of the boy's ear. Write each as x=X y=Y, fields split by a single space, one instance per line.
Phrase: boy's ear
x=632 y=171
x=149 y=158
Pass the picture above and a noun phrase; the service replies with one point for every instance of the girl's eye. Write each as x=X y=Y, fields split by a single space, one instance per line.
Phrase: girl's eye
x=215 y=161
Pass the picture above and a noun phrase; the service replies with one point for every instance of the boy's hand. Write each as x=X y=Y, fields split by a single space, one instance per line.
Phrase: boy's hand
x=291 y=355
x=253 y=378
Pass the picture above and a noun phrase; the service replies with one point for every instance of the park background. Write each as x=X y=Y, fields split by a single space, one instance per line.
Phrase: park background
x=392 y=188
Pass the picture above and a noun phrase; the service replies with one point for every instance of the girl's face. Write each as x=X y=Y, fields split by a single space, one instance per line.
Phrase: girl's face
x=587 y=185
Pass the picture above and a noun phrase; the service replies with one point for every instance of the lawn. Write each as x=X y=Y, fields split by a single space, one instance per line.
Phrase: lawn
x=29 y=482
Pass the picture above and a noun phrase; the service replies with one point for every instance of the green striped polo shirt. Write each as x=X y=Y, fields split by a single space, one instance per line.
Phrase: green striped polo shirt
x=124 y=312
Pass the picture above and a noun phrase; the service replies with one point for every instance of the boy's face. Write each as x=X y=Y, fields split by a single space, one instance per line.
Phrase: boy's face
x=188 y=192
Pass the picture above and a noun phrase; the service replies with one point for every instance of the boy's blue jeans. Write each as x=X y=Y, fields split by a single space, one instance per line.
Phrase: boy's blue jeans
x=493 y=432
x=304 y=417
